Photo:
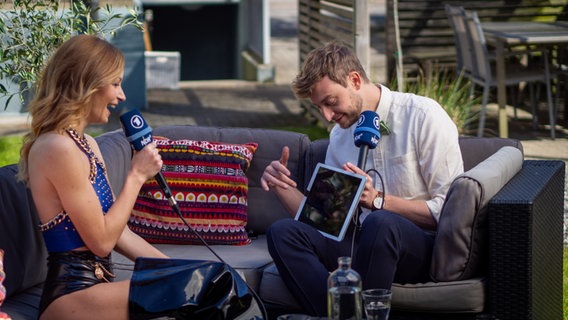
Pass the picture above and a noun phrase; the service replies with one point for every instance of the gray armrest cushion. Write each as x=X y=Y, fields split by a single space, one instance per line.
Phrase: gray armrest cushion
x=476 y=149
x=460 y=240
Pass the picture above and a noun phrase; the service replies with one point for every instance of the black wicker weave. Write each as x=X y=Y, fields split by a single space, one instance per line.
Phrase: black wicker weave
x=525 y=248
x=526 y=244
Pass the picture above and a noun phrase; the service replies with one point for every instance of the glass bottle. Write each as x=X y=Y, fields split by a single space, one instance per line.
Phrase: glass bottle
x=344 y=292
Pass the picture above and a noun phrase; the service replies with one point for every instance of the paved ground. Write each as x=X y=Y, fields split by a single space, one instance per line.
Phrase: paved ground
x=240 y=103
x=248 y=104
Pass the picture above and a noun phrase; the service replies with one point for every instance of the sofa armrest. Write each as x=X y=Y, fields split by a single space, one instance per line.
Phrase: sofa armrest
x=526 y=243
x=25 y=253
x=475 y=149
x=117 y=154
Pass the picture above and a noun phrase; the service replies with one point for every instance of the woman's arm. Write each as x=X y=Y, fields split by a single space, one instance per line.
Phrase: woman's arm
x=59 y=178
x=133 y=246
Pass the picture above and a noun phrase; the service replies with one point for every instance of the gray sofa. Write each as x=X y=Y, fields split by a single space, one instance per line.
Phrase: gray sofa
x=504 y=262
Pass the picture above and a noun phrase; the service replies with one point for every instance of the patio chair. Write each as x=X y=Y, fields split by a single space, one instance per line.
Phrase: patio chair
x=484 y=74
x=464 y=59
x=464 y=51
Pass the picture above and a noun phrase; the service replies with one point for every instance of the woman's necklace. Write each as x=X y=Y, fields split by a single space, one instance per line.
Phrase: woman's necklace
x=84 y=144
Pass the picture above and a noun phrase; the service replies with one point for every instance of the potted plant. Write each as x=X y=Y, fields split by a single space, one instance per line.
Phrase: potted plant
x=30 y=30
x=452 y=92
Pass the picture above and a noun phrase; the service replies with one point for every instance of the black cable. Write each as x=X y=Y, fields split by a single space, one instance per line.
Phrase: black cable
x=356 y=215
x=178 y=212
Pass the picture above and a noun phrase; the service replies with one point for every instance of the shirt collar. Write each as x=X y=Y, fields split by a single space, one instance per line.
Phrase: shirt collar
x=383 y=108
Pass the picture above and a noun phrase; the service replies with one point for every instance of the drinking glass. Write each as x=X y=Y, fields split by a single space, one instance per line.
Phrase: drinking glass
x=377 y=303
x=294 y=316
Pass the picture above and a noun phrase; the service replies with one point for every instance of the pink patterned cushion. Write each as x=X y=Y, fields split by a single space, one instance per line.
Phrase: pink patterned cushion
x=209 y=184
x=3 y=316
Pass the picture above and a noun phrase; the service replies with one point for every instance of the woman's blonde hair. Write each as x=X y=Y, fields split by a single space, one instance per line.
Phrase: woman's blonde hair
x=334 y=60
x=78 y=69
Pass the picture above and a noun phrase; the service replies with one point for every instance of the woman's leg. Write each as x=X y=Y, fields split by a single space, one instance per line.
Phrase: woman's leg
x=101 y=301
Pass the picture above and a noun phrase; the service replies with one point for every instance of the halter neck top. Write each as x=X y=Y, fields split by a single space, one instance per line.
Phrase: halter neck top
x=59 y=233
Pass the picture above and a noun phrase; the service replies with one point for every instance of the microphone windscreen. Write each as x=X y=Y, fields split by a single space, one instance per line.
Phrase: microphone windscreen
x=137 y=131
x=367 y=130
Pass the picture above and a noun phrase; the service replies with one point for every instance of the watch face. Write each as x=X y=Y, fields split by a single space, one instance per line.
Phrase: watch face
x=378 y=203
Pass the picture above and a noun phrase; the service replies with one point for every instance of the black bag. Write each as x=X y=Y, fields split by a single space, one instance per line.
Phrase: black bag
x=190 y=289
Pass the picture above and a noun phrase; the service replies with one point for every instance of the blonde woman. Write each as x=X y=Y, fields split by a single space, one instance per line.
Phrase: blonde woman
x=81 y=220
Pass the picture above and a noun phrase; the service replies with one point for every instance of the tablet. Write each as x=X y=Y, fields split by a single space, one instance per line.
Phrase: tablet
x=331 y=200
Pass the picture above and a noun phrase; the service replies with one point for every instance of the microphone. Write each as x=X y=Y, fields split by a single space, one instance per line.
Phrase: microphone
x=366 y=135
x=139 y=134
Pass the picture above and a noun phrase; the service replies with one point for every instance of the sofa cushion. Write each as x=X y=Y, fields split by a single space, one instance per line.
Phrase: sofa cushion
x=116 y=153
x=467 y=296
x=460 y=246
x=208 y=181
x=274 y=291
x=249 y=260
x=24 y=305
x=2 y=288
x=18 y=221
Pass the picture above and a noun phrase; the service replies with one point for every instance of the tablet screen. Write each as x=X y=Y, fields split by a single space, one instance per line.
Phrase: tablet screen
x=331 y=199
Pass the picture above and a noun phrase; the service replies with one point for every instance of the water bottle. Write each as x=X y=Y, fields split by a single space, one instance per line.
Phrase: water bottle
x=344 y=292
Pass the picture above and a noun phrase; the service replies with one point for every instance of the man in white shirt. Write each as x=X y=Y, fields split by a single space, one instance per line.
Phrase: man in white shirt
x=418 y=160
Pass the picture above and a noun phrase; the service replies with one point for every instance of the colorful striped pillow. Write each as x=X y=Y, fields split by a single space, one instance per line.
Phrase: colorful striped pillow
x=208 y=181
x=3 y=316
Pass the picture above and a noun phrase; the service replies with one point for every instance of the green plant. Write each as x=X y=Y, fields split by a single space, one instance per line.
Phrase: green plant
x=451 y=92
x=10 y=149
x=30 y=30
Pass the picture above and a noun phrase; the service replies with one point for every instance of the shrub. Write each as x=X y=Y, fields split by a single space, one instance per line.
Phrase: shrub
x=451 y=92
x=30 y=30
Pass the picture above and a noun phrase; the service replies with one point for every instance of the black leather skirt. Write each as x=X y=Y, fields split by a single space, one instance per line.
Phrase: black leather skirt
x=73 y=271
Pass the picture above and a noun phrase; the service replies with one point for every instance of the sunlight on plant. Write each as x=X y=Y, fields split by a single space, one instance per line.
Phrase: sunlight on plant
x=30 y=30
x=10 y=149
x=452 y=93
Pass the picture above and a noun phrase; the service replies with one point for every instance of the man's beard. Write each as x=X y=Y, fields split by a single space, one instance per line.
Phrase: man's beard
x=353 y=117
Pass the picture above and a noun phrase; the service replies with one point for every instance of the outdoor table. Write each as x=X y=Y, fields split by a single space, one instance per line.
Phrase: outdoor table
x=508 y=34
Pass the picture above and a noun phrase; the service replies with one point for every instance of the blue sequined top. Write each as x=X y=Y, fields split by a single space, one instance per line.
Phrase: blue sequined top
x=59 y=233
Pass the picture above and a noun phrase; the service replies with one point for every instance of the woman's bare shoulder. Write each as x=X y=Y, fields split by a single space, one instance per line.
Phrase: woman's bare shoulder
x=52 y=142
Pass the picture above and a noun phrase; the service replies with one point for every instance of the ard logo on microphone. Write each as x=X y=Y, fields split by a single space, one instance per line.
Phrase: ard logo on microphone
x=377 y=123
x=137 y=122
x=361 y=120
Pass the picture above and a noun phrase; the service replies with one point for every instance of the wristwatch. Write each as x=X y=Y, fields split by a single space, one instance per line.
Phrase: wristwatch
x=378 y=202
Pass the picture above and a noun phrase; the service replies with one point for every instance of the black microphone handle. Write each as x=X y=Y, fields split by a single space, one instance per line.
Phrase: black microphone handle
x=163 y=184
x=362 y=161
x=165 y=188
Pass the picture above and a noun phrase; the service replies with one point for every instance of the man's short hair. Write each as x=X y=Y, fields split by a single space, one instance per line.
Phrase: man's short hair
x=334 y=60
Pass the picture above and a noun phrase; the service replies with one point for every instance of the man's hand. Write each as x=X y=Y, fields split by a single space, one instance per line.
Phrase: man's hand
x=369 y=193
x=277 y=174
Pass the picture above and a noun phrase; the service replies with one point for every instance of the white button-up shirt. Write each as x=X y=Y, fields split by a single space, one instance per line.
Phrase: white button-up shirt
x=418 y=160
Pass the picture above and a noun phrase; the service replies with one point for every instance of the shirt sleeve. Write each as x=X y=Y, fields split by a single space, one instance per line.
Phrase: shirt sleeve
x=440 y=156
